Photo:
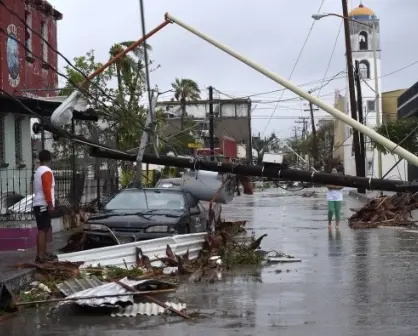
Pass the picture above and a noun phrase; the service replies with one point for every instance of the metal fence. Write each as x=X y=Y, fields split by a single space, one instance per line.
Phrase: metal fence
x=74 y=189
x=81 y=181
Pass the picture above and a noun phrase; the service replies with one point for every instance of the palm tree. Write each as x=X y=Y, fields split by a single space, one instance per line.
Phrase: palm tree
x=185 y=90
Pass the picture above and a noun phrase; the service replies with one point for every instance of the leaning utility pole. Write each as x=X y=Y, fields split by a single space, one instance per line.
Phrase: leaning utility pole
x=304 y=122
x=147 y=134
x=211 y=125
x=362 y=172
x=314 y=140
x=351 y=87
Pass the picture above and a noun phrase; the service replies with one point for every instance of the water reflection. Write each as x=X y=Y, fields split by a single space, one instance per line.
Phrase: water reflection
x=361 y=277
x=349 y=283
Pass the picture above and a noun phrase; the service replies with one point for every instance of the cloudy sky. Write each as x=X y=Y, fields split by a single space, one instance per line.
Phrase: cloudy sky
x=270 y=32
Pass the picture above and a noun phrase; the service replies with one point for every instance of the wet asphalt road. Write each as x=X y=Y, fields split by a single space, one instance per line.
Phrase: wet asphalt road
x=349 y=283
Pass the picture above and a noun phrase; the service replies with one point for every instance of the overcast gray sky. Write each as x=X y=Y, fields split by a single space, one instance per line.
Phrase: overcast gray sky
x=271 y=32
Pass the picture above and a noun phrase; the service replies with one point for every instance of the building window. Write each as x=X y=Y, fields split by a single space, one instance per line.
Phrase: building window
x=18 y=139
x=28 y=36
x=363 y=40
x=44 y=34
x=371 y=106
x=2 y=135
x=364 y=68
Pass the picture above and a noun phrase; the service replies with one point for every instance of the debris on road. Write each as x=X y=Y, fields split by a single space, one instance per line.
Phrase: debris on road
x=385 y=211
x=309 y=193
x=148 y=309
x=54 y=270
x=129 y=291
x=277 y=257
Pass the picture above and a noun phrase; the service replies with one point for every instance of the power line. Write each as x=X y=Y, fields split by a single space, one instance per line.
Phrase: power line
x=279 y=90
x=298 y=58
x=332 y=55
x=313 y=82
x=137 y=121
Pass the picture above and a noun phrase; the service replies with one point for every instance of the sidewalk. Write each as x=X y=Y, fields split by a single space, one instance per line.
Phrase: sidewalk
x=15 y=279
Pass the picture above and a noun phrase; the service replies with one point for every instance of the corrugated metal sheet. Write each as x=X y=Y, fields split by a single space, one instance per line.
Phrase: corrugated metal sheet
x=112 y=288
x=147 y=308
x=124 y=255
x=24 y=206
x=72 y=286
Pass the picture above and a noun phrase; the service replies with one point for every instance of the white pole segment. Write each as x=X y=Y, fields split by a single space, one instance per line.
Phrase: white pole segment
x=408 y=156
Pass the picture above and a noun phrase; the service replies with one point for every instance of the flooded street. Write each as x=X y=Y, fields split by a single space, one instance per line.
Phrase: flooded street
x=349 y=283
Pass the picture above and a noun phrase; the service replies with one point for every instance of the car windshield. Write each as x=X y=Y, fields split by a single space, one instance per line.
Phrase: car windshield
x=146 y=199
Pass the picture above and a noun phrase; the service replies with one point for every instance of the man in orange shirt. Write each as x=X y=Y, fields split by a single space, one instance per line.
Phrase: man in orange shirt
x=43 y=204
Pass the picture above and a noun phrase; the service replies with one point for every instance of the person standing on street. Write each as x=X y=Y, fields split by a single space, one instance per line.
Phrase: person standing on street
x=43 y=204
x=335 y=199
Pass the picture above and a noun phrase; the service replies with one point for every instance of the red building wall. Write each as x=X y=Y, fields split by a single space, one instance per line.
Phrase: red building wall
x=17 y=71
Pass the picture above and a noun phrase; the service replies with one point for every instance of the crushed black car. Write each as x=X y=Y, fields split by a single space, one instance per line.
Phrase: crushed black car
x=135 y=214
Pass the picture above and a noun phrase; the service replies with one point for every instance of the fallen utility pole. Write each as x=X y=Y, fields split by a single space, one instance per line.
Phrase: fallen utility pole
x=390 y=145
x=62 y=115
x=276 y=172
x=271 y=172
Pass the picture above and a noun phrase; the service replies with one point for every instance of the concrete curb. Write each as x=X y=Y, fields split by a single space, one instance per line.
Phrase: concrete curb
x=17 y=279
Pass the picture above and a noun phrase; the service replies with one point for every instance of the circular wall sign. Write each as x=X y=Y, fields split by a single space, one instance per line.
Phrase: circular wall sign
x=13 y=60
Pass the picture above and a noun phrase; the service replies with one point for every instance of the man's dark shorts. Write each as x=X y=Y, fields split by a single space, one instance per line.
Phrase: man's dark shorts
x=43 y=218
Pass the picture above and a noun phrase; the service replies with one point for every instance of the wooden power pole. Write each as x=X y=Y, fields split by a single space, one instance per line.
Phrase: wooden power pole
x=351 y=87
x=314 y=139
x=362 y=172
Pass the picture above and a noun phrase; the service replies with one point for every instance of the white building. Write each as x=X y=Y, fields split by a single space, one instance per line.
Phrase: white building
x=365 y=36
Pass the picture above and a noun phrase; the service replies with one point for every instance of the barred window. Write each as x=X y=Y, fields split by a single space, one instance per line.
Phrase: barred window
x=371 y=106
x=28 y=33
x=18 y=139
x=44 y=34
x=2 y=155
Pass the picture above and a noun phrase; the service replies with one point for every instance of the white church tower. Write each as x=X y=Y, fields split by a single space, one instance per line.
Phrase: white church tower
x=365 y=44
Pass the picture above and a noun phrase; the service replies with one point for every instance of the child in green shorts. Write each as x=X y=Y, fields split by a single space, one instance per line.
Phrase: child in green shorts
x=335 y=199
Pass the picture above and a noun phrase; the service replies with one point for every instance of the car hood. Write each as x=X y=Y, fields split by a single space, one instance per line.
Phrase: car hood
x=137 y=220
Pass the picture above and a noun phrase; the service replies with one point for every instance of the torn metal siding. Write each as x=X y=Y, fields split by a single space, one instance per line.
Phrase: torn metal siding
x=73 y=286
x=147 y=308
x=125 y=254
x=112 y=288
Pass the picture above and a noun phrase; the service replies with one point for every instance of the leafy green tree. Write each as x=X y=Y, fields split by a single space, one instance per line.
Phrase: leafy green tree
x=403 y=131
x=324 y=144
x=96 y=99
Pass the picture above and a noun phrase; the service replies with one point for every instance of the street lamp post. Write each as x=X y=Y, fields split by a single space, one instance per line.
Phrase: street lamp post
x=376 y=79
x=353 y=104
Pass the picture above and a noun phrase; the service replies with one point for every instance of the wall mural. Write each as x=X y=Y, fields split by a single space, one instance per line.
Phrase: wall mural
x=13 y=60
